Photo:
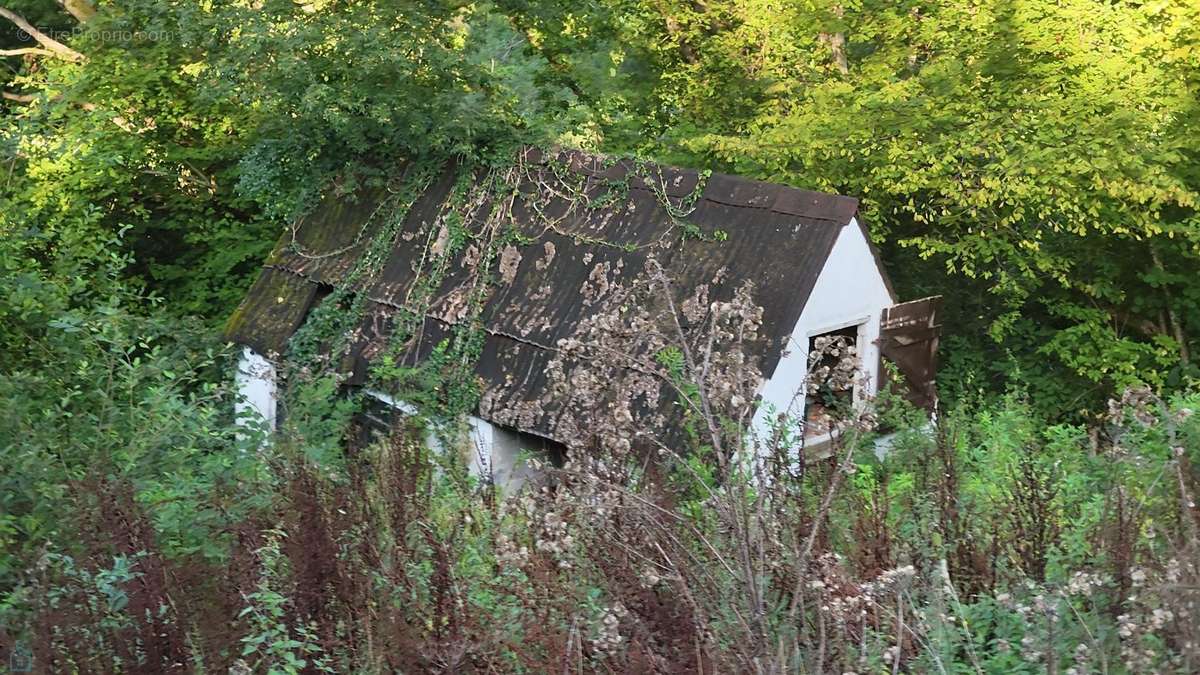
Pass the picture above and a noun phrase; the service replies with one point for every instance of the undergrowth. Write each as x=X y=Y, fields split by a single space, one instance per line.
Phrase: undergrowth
x=987 y=542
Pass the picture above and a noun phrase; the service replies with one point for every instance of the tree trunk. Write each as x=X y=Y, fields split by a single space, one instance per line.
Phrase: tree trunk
x=1172 y=317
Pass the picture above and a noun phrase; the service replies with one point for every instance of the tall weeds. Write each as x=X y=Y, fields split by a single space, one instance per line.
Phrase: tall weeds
x=987 y=542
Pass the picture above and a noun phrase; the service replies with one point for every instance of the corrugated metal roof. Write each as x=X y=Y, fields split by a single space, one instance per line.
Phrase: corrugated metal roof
x=272 y=310
x=574 y=262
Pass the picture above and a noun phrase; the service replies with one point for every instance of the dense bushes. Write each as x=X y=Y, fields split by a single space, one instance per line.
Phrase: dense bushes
x=141 y=536
x=126 y=404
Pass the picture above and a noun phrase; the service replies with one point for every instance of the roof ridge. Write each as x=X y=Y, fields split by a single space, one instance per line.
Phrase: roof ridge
x=720 y=188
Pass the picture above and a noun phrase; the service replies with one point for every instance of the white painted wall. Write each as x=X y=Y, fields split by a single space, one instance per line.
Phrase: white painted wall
x=849 y=292
x=500 y=453
x=491 y=451
x=255 y=380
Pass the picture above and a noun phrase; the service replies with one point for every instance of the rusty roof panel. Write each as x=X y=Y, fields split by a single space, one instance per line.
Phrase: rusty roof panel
x=733 y=191
x=326 y=244
x=556 y=283
x=782 y=255
x=797 y=202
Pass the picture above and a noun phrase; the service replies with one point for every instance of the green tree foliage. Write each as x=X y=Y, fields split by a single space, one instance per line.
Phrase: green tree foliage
x=198 y=131
x=358 y=87
x=120 y=403
x=1034 y=161
x=130 y=140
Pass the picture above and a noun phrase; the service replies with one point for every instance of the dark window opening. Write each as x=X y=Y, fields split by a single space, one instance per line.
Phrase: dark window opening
x=377 y=419
x=323 y=291
x=833 y=367
x=374 y=420
x=544 y=449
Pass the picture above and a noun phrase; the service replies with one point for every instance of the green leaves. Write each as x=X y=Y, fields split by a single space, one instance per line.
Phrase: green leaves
x=178 y=127
x=1017 y=158
x=126 y=402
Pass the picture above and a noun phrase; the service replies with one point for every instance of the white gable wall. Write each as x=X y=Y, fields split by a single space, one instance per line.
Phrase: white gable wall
x=255 y=380
x=850 y=291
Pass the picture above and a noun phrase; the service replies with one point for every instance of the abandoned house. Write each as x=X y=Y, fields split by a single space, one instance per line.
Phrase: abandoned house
x=568 y=284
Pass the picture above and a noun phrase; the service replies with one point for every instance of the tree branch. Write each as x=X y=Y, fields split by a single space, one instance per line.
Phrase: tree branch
x=26 y=50
x=82 y=10
x=116 y=119
x=837 y=47
x=19 y=98
x=837 y=43
x=50 y=44
x=1176 y=326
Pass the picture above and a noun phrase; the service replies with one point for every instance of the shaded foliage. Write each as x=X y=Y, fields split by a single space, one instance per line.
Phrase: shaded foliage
x=1034 y=163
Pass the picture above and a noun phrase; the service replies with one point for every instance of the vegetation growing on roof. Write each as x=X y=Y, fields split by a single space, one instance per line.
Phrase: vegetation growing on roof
x=473 y=228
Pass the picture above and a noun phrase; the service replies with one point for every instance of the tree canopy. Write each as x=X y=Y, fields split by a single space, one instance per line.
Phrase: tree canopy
x=1035 y=162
